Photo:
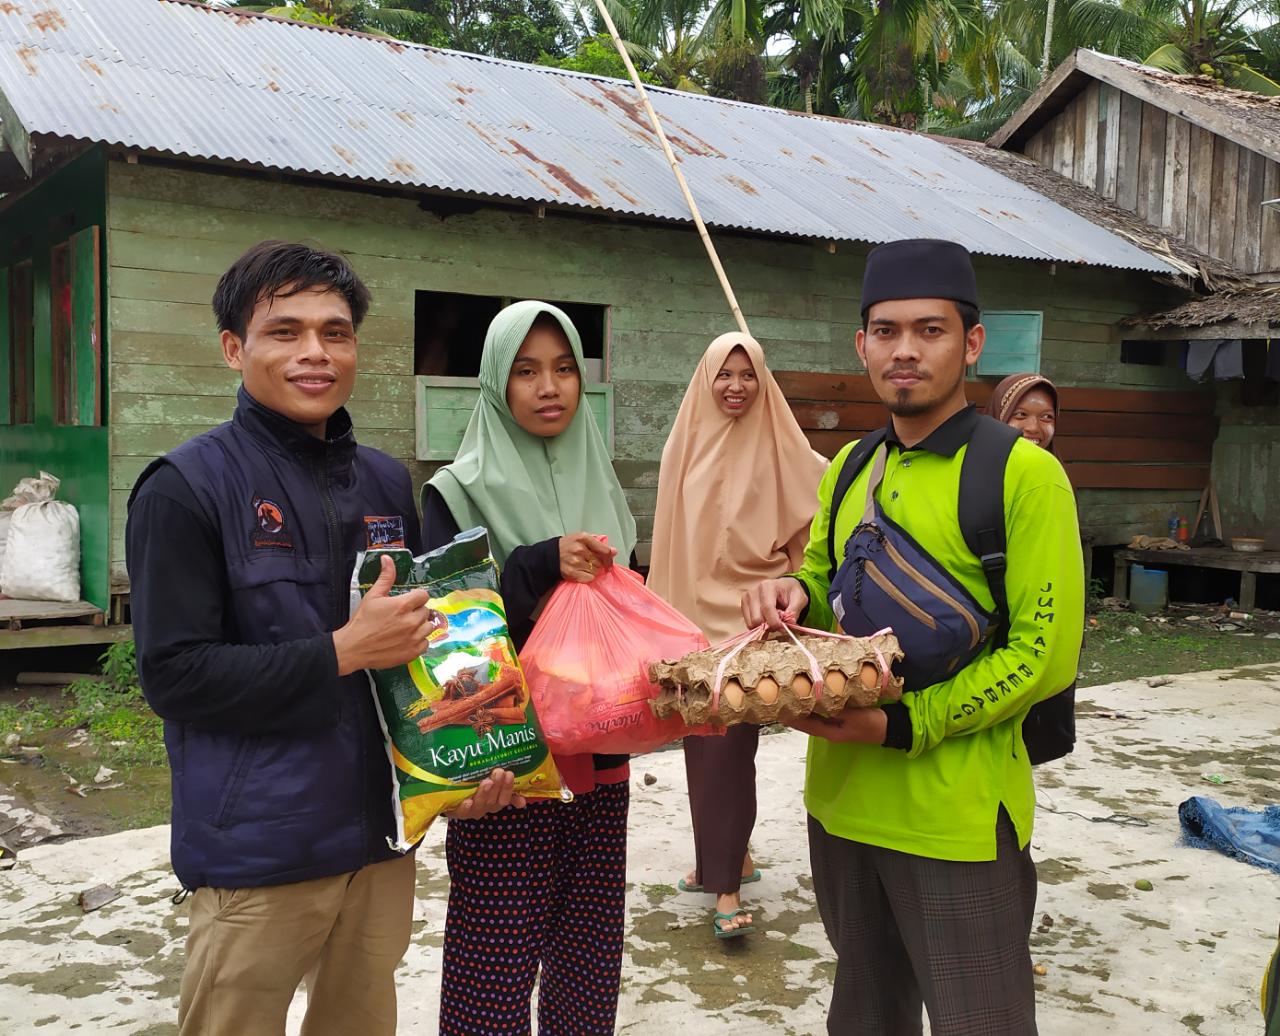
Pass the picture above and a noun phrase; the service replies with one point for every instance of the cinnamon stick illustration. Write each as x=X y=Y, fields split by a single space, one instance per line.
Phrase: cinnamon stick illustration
x=464 y=696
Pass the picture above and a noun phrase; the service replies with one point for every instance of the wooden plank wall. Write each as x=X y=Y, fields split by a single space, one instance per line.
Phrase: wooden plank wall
x=1246 y=466
x=1203 y=188
x=1139 y=455
x=172 y=232
x=1107 y=439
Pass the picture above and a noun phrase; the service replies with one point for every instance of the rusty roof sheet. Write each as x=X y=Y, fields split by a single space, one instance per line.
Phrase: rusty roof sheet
x=176 y=77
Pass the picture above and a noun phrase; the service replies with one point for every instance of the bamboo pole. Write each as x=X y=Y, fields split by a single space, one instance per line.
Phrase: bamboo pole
x=675 y=168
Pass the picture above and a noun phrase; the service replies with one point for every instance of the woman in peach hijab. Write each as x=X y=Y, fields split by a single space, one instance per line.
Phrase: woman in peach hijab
x=737 y=491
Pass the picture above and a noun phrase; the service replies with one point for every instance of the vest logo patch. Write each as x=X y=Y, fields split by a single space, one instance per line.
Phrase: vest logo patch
x=269 y=529
x=383 y=531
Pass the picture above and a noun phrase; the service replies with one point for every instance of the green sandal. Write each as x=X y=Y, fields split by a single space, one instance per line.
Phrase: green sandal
x=684 y=886
x=731 y=933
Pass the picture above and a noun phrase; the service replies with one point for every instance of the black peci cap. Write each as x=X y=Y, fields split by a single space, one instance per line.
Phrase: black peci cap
x=920 y=268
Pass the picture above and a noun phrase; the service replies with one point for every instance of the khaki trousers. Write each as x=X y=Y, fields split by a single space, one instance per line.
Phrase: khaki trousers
x=248 y=950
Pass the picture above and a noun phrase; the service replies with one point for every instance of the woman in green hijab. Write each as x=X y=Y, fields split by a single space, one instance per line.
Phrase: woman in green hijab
x=540 y=888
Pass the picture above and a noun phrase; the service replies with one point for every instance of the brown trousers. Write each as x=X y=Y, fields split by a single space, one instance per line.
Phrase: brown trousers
x=721 y=771
x=248 y=950
x=911 y=931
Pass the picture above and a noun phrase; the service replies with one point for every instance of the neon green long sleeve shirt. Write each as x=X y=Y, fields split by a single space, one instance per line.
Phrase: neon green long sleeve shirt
x=942 y=797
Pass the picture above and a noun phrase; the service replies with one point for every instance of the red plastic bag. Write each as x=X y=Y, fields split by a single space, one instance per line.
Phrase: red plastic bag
x=587 y=660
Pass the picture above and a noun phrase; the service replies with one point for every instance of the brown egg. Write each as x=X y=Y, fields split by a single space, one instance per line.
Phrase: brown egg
x=767 y=690
x=869 y=675
x=835 y=681
x=732 y=693
x=802 y=686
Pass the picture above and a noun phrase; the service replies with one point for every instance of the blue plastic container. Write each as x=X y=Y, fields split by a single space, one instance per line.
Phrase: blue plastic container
x=1148 y=589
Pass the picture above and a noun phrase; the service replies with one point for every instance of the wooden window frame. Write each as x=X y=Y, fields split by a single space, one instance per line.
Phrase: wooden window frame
x=6 y=351
x=429 y=387
x=990 y=365
x=460 y=394
x=75 y=338
x=19 y=400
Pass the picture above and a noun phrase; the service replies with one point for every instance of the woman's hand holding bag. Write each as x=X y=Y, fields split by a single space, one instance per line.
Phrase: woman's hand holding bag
x=586 y=661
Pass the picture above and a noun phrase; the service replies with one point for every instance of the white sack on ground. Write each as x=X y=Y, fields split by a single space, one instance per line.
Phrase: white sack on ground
x=41 y=556
x=28 y=491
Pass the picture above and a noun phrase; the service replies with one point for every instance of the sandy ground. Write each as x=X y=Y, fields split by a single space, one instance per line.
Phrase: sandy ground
x=1183 y=958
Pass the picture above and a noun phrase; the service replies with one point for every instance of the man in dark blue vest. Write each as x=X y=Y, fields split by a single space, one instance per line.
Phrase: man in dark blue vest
x=240 y=547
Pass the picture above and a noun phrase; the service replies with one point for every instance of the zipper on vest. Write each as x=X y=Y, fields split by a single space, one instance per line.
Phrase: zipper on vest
x=337 y=581
x=340 y=583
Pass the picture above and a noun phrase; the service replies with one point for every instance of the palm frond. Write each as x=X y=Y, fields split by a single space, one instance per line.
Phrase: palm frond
x=1169 y=57
x=1122 y=29
x=1242 y=77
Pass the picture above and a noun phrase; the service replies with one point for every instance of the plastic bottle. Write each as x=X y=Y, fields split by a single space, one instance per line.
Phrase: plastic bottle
x=1173 y=526
x=1184 y=533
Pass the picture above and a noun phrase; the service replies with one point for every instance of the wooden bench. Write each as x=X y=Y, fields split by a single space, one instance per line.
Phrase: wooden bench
x=30 y=624
x=1248 y=565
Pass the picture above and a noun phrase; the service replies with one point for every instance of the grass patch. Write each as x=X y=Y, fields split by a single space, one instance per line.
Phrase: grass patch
x=122 y=729
x=1178 y=645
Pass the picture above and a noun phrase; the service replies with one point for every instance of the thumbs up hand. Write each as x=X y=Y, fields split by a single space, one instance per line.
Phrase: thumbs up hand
x=385 y=631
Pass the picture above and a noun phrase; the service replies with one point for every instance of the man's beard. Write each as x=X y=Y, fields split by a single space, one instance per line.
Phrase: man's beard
x=904 y=406
x=911 y=402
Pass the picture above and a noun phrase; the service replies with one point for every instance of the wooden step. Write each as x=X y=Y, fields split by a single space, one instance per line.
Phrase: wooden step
x=18 y=615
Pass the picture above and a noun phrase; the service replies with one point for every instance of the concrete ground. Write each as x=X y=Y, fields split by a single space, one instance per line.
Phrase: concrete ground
x=1185 y=957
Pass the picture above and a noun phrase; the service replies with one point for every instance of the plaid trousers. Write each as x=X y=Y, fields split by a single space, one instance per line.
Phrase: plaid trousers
x=910 y=931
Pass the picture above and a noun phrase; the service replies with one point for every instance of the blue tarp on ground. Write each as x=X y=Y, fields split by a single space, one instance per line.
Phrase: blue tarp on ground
x=1247 y=834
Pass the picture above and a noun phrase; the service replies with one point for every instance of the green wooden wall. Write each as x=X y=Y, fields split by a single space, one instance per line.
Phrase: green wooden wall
x=172 y=232
x=71 y=200
x=1246 y=466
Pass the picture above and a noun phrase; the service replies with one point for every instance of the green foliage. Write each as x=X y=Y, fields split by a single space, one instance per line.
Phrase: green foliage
x=735 y=69
x=596 y=56
x=519 y=30
x=1112 y=652
x=121 y=726
x=950 y=66
x=122 y=729
x=27 y=718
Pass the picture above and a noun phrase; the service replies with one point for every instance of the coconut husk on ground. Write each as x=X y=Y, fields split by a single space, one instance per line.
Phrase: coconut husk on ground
x=769 y=681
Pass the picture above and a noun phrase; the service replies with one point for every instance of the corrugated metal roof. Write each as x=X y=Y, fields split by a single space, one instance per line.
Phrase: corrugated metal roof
x=175 y=77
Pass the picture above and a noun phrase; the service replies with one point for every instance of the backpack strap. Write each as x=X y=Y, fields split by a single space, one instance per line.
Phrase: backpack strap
x=873 y=482
x=981 y=508
x=854 y=462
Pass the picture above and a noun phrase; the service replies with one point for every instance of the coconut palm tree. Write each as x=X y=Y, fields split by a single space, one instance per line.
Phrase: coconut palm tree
x=1226 y=39
x=365 y=16
x=672 y=38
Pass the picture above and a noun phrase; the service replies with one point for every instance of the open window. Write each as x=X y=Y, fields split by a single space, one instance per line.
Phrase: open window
x=449 y=332
x=1143 y=353
x=17 y=336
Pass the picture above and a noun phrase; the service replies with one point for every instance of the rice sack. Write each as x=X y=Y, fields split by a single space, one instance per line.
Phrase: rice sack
x=462 y=708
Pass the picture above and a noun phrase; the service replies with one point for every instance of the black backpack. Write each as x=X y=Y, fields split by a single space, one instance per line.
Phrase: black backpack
x=1049 y=730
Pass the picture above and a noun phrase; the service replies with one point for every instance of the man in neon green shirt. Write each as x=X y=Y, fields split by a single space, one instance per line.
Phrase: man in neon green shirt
x=920 y=812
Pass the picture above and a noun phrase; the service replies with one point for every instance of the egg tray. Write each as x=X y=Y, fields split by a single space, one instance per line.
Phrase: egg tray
x=769 y=681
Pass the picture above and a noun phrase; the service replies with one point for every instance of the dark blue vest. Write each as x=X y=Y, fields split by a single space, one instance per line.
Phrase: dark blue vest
x=292 y=511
